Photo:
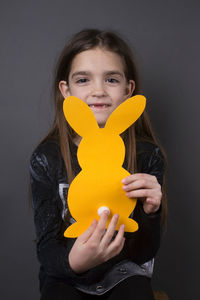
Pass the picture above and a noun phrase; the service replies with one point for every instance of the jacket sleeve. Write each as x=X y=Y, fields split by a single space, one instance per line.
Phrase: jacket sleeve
x=52 y=248
x=142 y=245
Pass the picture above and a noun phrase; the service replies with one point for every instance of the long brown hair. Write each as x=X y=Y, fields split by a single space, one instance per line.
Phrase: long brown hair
x=141 y=130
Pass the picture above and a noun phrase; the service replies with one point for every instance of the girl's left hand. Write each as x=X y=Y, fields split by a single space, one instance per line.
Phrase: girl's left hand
x=146 y=187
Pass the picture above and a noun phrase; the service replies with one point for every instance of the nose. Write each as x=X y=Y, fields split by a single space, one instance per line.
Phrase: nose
x=98 y=90
x=98 y=93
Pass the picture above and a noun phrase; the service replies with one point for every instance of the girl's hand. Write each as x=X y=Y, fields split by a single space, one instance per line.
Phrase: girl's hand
x=96 y=246
x=146 y=187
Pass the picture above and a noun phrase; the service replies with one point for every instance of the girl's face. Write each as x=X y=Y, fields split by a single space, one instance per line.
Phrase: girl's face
x=97 y=77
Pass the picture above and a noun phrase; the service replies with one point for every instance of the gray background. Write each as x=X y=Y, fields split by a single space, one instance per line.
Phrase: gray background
x=165 y=36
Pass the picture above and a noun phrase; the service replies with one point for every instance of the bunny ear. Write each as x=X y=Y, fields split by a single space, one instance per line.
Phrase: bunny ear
x=79 y=115
x=126 y=114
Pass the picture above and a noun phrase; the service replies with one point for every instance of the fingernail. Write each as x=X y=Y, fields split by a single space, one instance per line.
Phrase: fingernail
x=93 y=222
x=123 y=180
x=116 y=216
x=106 y=212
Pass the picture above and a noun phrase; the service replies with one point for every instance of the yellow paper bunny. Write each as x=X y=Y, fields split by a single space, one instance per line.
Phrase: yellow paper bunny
x=100 y=154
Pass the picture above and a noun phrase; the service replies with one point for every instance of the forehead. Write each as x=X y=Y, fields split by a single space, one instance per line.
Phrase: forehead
x=97 y=59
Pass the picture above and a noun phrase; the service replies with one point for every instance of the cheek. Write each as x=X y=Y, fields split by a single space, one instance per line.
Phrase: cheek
x=118 y=92
x=118 y=97
x=79 y=92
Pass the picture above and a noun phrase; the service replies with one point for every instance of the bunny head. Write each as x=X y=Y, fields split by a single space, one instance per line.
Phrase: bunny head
x=101 y=147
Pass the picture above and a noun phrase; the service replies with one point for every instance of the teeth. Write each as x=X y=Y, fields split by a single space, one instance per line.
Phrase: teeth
x=96 y=105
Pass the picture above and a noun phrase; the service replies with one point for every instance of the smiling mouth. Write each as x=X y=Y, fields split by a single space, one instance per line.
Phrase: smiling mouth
x=99 y=105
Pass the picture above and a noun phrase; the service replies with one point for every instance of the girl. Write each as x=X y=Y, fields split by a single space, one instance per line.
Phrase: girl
x=97 y=67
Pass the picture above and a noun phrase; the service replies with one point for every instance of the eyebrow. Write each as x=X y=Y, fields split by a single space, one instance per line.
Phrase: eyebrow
x=87 y=73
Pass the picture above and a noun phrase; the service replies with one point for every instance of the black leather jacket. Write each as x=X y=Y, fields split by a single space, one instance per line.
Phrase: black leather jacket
x=49 y=187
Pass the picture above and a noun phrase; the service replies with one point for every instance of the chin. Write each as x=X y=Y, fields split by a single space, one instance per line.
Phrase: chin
x=101 y=123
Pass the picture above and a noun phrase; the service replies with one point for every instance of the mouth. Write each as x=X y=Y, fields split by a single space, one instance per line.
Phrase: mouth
x=99 y=105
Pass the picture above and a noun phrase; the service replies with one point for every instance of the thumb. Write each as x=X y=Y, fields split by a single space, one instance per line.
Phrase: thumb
x=84 y=237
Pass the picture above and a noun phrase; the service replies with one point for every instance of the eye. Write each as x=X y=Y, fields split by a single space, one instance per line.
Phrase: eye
x=112 y=80
x=82 y=80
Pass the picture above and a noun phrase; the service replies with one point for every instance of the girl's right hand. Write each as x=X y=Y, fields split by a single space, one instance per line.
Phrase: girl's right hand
x=96 y=246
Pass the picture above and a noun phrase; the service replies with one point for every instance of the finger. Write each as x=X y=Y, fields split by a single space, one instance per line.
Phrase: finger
x=138 y=176
x=117 y=244
x=110 y=231
x=100 y=228
x=115 y=251
x=149 y=208
x=141 y=193
x=153 y=201
x=140 y=183
x=88 y=232
x=152 y=204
